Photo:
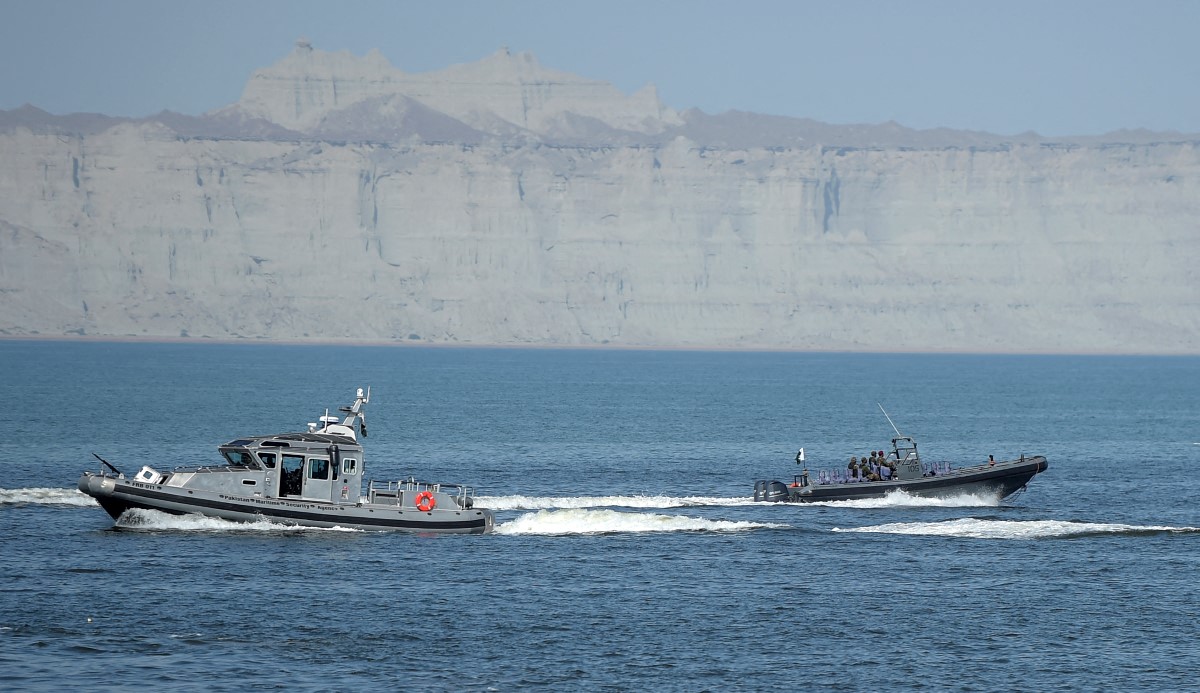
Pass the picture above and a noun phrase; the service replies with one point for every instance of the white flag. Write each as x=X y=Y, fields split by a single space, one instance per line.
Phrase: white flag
x=800 y=455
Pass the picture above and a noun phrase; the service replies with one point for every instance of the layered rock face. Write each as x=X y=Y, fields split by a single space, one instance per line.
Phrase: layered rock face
x=503 y=203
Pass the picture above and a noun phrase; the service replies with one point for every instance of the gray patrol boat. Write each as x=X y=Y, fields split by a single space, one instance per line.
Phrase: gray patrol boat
x=312 y=479
x=902 y=469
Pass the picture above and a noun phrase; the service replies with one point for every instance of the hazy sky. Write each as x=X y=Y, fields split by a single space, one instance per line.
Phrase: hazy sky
x=1057 y=67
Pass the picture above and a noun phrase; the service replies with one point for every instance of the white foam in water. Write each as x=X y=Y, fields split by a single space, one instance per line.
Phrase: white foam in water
x=583 y=521
x=137 y=518
x=46 y=496
x=902 y=499
x=1010 y=529
x=580 y=502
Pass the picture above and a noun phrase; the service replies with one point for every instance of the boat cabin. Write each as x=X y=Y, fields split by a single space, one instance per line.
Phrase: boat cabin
x=309 y=466
x=324 y=467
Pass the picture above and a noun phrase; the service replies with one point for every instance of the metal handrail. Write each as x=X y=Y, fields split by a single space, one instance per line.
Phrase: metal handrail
x=396 y=488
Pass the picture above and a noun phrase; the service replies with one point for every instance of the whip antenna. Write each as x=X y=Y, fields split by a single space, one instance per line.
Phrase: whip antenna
x=885 y=414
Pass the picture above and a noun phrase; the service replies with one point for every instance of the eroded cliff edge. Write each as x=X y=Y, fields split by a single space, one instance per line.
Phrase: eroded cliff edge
x=504 y=203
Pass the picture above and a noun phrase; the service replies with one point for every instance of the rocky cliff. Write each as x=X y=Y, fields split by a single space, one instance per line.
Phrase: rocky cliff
x=505 y=203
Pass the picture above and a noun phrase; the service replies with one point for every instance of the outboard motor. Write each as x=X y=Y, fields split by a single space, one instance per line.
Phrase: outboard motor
x=771 y=491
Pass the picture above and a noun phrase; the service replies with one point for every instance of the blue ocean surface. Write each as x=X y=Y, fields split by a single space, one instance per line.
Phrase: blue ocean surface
x=628 y=553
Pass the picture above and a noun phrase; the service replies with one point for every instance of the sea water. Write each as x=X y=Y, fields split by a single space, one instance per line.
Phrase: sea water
x=628 y=553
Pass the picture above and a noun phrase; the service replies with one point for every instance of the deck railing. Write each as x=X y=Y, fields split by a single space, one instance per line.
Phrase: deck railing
x=405 y=491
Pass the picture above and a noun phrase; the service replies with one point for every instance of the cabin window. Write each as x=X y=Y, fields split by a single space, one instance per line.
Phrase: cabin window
x=318 y=468
x=349 y=466
x=268 y=459
x=240 y=458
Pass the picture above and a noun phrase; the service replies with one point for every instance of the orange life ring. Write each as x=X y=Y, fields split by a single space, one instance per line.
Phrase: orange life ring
x=425 y=501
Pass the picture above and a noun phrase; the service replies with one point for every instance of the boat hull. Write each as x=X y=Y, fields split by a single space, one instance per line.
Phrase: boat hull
x=117 y=495
x=1001 y=481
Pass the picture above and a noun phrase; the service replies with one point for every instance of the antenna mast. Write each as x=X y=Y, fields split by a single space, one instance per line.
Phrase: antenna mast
x=885 y=414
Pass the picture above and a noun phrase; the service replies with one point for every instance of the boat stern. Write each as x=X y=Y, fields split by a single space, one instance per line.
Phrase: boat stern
x=772 y=491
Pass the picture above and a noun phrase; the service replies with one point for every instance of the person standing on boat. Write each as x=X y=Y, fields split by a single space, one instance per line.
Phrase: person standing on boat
x=852 y=468
x=991 y=461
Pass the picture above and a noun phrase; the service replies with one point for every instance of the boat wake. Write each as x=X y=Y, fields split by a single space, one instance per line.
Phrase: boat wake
x=902 y=499
x=584 y=521
x=153 y=520
x=46 y=496
x=583 y=502
x=1013 y=529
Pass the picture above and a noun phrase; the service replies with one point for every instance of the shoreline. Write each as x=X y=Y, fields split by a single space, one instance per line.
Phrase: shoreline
x=138 y=339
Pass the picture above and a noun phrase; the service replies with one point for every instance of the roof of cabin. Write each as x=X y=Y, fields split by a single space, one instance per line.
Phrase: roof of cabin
x=298 y=437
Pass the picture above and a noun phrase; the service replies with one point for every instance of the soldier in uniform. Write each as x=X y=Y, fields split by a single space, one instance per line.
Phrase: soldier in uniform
x=871 y=470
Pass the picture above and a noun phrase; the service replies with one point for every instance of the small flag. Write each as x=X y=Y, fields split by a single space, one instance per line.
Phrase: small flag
x=800 y=456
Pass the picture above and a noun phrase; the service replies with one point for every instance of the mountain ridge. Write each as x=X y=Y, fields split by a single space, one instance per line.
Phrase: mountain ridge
x=281 y=101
